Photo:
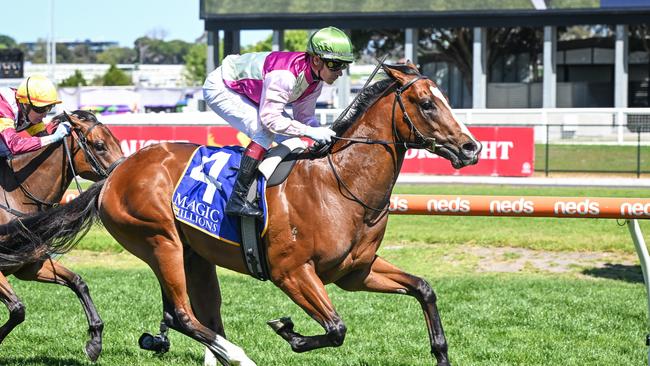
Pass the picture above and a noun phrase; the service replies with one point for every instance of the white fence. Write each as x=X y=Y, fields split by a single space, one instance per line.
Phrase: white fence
x=564 y=125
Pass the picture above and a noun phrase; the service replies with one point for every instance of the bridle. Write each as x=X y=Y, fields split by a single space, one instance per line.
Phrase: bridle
x=421 y=141
x=91 y=158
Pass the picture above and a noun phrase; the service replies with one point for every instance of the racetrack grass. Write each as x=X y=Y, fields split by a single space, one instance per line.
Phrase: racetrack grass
x=533 y=233
x=490 y=319
x=526 y=318
x=607 y=158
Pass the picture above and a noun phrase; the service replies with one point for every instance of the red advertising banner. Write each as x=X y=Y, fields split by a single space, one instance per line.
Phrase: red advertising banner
x=507 y=151
x=134 y=138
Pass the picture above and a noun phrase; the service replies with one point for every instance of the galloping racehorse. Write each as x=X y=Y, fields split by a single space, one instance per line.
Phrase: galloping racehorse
x=326 y=221
x=36 y=181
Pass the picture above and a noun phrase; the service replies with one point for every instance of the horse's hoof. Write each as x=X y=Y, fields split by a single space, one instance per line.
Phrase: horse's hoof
x=443 y=363
x=281 y=324
x=93 y=350
x=158 y=343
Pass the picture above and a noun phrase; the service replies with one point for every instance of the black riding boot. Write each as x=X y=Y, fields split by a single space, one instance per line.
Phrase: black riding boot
x=237 y=204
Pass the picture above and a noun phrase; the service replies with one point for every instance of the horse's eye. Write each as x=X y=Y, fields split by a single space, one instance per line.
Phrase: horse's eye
x=426 y=105
x=99 y=145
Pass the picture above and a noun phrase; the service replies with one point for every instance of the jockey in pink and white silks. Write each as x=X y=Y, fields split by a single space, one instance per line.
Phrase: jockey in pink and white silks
x=251 y=93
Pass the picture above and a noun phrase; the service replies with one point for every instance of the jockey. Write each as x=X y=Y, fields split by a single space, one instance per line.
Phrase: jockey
x=24 y=109
x=251 y=92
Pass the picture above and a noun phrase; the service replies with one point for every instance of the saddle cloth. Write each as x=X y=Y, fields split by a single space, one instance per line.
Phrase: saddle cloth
x=200 y=196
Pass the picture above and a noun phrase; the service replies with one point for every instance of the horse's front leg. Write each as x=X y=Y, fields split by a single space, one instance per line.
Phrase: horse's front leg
x=307 y=290
x=383 y=276
x=49 y=271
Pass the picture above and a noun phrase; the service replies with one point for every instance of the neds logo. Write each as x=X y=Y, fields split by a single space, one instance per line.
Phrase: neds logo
x=398 y=204
x=635 y=209
x=442 y=205
x=518 y=206
x=586 y=207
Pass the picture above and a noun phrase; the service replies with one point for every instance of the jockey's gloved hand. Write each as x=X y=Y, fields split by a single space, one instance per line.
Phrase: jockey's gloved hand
x=322 y=135
x=64 y=125
x=62 y=130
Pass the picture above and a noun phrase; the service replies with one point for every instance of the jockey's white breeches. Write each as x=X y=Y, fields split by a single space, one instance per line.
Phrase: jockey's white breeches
x=237 y=110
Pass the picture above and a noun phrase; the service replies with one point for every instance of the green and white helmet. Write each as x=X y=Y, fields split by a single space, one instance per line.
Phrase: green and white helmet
x=331 y=43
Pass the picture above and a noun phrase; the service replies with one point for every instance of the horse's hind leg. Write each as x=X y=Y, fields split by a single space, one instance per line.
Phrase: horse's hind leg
x=307 y=290
x=385 y=277
x=49 y=271
x=16 y=308
x=205 y=295
x=167 y=264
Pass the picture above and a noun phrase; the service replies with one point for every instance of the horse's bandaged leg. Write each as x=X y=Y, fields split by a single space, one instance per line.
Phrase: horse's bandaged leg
x=234 y=354
x=209 y=359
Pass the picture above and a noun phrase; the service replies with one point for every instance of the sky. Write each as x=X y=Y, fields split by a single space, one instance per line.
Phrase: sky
x=107 y=20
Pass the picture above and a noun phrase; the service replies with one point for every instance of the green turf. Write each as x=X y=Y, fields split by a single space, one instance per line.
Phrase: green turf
x=591 y=158
x=589 y=316
x=505 y=319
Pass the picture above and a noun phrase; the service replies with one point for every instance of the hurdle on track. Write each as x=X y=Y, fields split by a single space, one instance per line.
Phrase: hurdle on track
x=629 y=209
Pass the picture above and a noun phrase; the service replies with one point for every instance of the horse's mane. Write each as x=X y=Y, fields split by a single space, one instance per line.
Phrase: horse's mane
x=367 y=98
x=80 y=113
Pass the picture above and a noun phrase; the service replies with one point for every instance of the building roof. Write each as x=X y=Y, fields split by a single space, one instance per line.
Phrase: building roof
x=392 y=14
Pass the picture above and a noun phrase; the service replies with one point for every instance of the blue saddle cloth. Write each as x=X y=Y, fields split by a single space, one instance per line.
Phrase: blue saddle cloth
x=201 y=193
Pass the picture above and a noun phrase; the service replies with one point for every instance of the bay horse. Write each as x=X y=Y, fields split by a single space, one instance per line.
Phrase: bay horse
x=326 y=221
x=37 y=181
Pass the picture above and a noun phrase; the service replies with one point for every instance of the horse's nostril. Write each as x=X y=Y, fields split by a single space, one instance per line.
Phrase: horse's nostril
x=471 y=148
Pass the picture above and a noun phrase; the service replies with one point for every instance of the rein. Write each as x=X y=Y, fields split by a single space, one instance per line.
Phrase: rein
x=95 y=165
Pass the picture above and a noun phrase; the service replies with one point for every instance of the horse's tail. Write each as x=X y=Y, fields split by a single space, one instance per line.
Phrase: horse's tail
x=54 y=231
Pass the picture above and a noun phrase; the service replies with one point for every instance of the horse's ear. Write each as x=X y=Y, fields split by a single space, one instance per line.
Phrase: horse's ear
x=67 y=118
x=401 y=73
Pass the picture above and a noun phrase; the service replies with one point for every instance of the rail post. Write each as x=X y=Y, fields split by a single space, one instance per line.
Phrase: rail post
x=642 y=252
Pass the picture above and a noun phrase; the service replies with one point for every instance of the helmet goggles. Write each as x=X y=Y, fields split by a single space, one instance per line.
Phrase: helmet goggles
x=335 y=65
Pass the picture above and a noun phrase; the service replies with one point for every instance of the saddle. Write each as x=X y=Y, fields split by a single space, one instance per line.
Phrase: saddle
x=201 y=193
x=275 y=167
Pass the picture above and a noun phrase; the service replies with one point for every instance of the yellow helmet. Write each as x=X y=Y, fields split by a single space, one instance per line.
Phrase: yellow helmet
x=38 y=91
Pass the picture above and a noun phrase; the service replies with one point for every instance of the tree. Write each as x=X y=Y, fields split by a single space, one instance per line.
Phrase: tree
x=37 y=55
x=156 y=51
x=7 y=42
x=117 y=55
x=373 y=44
x=74 y=80
x=64 y=54
x=294 y=41
x=115 y=76
x=452 y=45
x=195 y=64
x=517 y=40
x=82 y=54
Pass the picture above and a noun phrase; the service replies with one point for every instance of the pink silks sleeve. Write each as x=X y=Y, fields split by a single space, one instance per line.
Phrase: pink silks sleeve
x=18 y=144
x=276 y=93
x=304 y=110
